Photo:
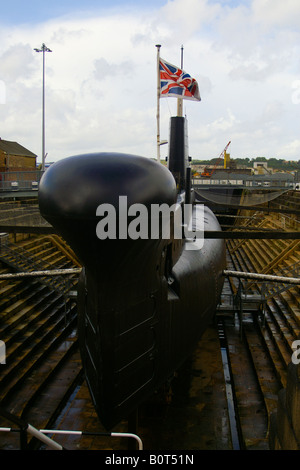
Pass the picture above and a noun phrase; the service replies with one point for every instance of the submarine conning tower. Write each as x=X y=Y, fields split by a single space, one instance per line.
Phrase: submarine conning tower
x=178 y=151
x=178 y=158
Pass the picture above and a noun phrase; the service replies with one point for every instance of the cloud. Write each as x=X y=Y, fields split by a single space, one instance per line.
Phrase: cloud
x=101 y=78
x=255 y=71
x=276 y=13
x=104 y=69
x=16 y=58
x=290 y=149
x=189 y=16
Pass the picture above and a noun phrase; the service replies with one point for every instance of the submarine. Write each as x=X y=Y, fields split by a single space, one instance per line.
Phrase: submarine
x=144 y=296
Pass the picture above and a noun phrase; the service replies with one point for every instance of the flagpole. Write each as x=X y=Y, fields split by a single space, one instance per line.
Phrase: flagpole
x=158 y=103
x=180 y=100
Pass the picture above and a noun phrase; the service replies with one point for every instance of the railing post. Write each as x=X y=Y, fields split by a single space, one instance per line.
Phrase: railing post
x=19 y=422
x=23 y=438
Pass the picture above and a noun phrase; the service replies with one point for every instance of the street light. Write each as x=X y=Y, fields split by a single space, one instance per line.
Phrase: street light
x=43 y=49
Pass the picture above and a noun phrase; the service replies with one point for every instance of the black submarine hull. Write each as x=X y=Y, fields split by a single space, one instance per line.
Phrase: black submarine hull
x=143 y=303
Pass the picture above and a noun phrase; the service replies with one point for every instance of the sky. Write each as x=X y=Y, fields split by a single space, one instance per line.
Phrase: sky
x=100 y=78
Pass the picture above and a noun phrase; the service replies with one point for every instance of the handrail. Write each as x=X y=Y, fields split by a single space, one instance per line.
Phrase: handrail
x=40 y=433
x=25 y=428
x=46 y=272
x=87 y=433
x=19 y=259
x=261 y=277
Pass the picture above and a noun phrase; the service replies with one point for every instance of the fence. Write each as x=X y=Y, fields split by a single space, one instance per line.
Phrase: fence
x=20 y=180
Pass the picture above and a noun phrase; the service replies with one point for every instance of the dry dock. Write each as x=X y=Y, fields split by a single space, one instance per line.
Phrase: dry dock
x=227 y=396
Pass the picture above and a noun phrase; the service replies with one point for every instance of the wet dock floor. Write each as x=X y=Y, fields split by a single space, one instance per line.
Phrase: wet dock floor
x=192 y=415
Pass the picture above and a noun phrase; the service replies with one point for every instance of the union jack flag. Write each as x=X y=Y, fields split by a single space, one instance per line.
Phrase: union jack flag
x=176 y=82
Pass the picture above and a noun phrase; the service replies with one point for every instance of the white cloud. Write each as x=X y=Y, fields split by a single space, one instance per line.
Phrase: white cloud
x=16 y=58
x=104 y=69
x=189 y=16
x=290 y=149
x=101 y=79
x=276 y=13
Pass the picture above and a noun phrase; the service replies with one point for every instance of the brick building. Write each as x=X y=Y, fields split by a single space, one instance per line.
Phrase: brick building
x=15 y=157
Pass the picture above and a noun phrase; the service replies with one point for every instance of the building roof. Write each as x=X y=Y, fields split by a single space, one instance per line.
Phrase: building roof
x=13 y=148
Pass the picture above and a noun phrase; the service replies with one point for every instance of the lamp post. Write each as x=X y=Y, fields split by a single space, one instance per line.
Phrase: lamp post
x=43 y=49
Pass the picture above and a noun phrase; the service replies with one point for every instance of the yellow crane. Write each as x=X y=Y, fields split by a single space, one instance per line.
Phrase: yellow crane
x=209 y=171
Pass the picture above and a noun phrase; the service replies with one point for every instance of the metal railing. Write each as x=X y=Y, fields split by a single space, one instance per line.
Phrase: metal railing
x=20 y=180
x=263 y=277
x=29 y=180
x=18 y=258
x=254 y=182
x=271 y=285
x=24 y=429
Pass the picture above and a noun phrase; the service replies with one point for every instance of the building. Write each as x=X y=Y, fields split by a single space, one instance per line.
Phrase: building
x=261 y=168
x=15 y=157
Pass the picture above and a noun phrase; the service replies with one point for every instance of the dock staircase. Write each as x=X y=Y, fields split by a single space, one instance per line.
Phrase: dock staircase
x=268 y=312
x=272 y=289
x=253 y=298
x=38 y=326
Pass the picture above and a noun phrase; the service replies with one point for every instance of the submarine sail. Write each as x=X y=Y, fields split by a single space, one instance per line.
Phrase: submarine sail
x=144 y=296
